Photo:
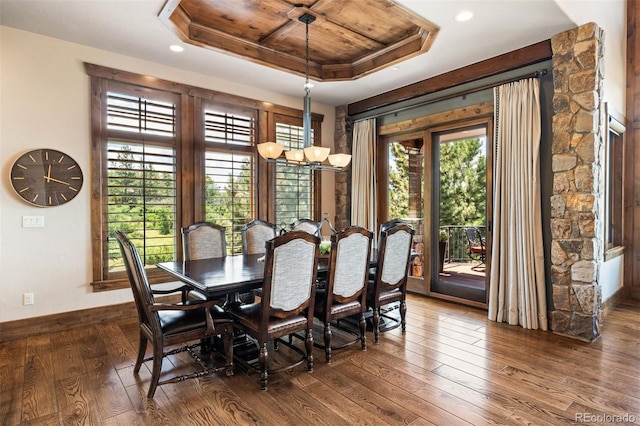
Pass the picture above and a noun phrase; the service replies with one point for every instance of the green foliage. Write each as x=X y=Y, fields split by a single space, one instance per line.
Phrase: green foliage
x=325 y=247
x=293 y=195
x=462 y=183
x=228 y=203
x=398 y=181
x=141 y=202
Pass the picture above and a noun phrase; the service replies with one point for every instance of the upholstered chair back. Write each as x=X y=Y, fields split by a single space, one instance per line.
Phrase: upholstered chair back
x=294 y=272
x=203 y=240
x=351 y=264
x=255 y=234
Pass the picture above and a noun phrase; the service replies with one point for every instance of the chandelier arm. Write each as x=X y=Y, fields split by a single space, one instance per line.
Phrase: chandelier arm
x=306 y=111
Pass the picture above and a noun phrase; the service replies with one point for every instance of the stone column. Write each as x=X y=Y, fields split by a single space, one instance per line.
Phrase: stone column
x=415 y=183
x=342 y=144
x=578 y=191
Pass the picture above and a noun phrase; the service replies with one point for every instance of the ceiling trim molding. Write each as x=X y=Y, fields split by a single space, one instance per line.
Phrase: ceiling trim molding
x=515 y=59
x=350 y=38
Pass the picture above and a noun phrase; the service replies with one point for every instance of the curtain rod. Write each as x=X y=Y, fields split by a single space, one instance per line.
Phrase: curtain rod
x=536 y=74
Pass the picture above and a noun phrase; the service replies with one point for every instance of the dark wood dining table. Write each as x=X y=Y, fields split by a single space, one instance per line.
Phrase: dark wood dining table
x=226 y=278
x=223 y=276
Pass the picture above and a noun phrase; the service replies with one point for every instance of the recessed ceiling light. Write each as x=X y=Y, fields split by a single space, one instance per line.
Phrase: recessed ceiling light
x=463 y=16
x=176 y=48
x=395 y=68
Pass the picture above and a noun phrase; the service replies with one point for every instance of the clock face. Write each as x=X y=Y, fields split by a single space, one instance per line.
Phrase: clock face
x=46 y=177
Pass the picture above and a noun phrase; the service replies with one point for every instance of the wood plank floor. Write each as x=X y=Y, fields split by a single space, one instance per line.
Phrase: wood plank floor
x=451 y=367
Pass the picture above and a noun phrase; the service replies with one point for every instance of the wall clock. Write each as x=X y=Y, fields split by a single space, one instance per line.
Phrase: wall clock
x=46 y=177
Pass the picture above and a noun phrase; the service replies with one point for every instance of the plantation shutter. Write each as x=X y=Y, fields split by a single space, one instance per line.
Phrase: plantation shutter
x=229 y=171
x=141 y=184
x=294 y=198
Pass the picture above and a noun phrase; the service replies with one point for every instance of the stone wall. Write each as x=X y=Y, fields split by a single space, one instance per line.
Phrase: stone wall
x=578 y=189
x=342 y=141
x=577 y=150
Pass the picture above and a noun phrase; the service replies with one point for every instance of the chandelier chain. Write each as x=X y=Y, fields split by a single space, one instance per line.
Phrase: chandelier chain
x=306 y=86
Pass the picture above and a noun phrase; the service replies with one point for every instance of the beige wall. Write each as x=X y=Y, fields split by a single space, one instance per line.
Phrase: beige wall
x=44 y=102
x=611 y=16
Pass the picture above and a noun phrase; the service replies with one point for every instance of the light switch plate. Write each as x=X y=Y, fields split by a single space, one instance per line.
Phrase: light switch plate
x=28 y=299
x=33 y=221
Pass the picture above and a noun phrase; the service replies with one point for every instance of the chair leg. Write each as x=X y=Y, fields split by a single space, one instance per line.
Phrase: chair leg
x=309 y=344
x=157 y=368
x=228 y=351
x=376 y=325
x=403 y=315
x=206 y=345
x=363 y=332
x=142 y=348
x=264 y=361
x=327 y=342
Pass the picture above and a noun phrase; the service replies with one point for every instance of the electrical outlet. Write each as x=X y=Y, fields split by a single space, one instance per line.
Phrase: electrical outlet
x=28 y=299
x=33 y=221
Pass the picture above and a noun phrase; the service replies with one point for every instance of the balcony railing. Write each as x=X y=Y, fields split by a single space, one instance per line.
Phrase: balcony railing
x=456 y=250
x=457 y=243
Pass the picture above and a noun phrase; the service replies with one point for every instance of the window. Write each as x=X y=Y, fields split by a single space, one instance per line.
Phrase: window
x=165 y=155
x=141 y=176
x=294 y=195
x=229 y=172
x=614 y=162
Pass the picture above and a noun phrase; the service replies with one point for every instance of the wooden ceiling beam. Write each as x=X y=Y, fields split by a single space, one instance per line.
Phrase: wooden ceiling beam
x=519 y=58
x=350 y=38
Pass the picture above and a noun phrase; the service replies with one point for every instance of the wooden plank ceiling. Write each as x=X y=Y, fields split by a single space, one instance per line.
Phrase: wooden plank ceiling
x=349 y=38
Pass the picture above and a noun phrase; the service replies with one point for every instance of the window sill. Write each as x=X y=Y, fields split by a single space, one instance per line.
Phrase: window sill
x=613 y=253
x=120 y=283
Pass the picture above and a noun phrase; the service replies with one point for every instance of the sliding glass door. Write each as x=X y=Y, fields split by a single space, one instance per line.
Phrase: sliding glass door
x=459 y=210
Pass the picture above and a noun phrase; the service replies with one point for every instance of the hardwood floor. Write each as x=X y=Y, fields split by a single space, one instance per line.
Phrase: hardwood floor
x=451 y=367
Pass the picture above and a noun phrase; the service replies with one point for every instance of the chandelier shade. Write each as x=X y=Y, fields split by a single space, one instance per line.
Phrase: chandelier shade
x=316 y=156
x=270 y=150
x=296 y=155
x=339 y=160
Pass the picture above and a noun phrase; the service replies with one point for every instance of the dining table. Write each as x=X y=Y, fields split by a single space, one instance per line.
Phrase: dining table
x=224 y=276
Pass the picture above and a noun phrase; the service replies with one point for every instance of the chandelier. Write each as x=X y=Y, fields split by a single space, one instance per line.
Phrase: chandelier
x=314 y=157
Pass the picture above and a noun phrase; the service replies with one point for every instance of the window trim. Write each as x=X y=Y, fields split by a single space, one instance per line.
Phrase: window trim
x=613 y=124
x=217 y=147
x=189 y=156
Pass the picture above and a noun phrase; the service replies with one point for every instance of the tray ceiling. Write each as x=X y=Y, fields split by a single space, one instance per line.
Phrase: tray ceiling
x=349 y=39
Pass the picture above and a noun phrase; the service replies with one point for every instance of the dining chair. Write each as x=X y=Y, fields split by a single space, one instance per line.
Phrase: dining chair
x=287 y=302
x=203 y=240
x=390 y=279
x=346 y=290
x=476 y=246
x=383 y=227
x=206 y=240
x=255 y=234
x=170 y=324
x=388 y=225
x=306 y=225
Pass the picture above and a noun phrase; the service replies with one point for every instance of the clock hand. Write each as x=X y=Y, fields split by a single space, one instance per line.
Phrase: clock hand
x=56 y=180
x=48 y=176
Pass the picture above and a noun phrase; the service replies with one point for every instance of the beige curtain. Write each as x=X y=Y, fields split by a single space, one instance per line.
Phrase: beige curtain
x=363 y=189
x=517 y=287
